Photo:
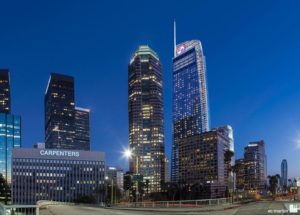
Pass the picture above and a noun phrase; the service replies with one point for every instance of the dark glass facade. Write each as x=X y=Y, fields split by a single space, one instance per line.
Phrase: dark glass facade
x=240 y=174
x=146 y=117
x=284 y=174
x=202 y=161
x=229 y=160
x=60 y=112
x=4 y=91
x=190 y=102
x=10 y=137
x=255 y=166
x=82 y=128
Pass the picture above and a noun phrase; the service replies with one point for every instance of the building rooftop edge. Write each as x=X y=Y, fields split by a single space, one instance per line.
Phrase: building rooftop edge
x=83 y=109
x=63 y=76
x=144 y=50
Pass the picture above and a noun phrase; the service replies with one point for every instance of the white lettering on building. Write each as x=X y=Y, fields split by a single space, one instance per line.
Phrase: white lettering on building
x=59 y=153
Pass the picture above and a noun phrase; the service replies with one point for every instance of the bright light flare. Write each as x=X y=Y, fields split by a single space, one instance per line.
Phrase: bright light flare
x=127 y=153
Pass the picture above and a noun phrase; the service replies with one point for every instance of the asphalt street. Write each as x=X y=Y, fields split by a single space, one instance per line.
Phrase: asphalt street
x=257 y=208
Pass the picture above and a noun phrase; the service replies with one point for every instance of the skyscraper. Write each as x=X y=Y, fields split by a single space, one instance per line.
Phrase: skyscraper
x=240 y=174
x=10 y=127
x=190 y=102
x=10 y=137
x=229 y=159
x=202 y=161
x=284 y=174
x=4 y=91
x=146 y=118
x=60 y=112
x=82 y=128
x=117 y=175
x=255 y=166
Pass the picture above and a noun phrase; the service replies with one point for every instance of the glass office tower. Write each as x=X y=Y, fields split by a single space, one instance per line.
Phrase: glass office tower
x=82 y=128
x=4 y=91
x=255 y=166
x=240 y=174
x=284 y=173
x=10 y=137
x=146 y=117
x=60 y=112
x=190 y=102
x=202 y=161
x=10 y=128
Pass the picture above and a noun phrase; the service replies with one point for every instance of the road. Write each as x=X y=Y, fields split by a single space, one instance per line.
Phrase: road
x=258 y=208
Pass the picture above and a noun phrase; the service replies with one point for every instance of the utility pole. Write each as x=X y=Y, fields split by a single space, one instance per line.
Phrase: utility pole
x=137 y=182
x=112 y=192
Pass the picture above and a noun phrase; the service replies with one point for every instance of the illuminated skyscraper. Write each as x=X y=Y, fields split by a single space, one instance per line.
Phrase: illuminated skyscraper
x=4 y=91
x=10 y=128
x=202 y=160
x=255 y=166
x=284 y=174
x=10 y=137
x=146 y=118
x=60 y=112
x=82 y=128
x=190 y=102
x=240 y=174
x=229 y=160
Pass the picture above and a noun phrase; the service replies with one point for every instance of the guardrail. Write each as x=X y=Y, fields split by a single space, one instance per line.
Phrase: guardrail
x=42 y=204
x=28 y=209
x=183 y=203
x=18 y=209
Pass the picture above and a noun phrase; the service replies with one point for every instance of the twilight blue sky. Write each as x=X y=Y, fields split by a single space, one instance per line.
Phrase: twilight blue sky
x=252 y=50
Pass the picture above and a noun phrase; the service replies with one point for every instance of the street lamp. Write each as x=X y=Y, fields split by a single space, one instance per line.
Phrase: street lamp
x=112 y=188
x=128 y=153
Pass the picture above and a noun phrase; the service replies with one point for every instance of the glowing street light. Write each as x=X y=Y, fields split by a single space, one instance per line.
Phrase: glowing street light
x=127 y=153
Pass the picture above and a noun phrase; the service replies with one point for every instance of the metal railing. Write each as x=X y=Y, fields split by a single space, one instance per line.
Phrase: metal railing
x=28 y=209
x=18 y=209
x=177 y=204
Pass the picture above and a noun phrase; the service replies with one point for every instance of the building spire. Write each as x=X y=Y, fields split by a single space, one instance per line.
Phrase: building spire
x=174 y=38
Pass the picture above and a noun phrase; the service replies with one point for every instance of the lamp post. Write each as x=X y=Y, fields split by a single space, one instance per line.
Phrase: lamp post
x=112 y=192
x=112 y=189
x=127 y=153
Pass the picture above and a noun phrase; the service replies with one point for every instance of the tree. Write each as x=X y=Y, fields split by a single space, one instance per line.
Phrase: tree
x=228 y=155
x=147 y=187
x=100 y=193
x=171 y=190
x=197 y=190
x=273 y=181
x=4 y=189
x=115 y=191
x=141 y=190
x=86 y=199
